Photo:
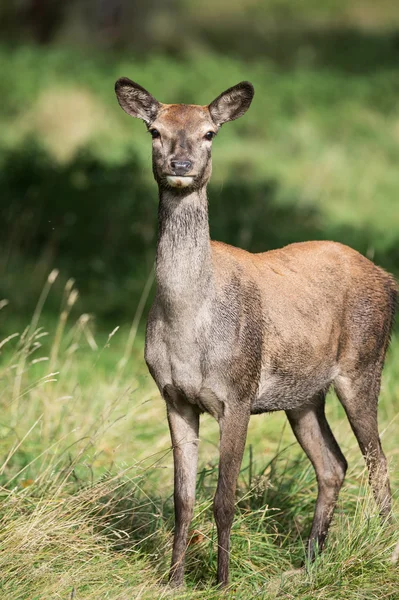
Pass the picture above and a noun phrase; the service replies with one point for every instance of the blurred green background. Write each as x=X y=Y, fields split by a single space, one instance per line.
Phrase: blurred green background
x=315 y=157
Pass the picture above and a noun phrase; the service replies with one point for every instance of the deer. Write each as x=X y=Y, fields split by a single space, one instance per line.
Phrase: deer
x=233 y=334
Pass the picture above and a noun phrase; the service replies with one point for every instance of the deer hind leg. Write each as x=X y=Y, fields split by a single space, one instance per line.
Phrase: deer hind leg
x=183 y=421
x=359 y=397
x=312 y=431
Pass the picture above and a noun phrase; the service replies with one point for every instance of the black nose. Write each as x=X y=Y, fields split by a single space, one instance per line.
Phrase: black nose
x=180 y=167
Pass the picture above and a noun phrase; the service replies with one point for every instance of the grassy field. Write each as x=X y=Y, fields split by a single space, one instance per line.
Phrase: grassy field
x=86 y=470
x=86 y=482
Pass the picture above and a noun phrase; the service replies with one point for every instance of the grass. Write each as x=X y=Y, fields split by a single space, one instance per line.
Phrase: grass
x=86 y=471
x=86 y=482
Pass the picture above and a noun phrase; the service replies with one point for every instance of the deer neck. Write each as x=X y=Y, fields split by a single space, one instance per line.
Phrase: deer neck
x=184 y=270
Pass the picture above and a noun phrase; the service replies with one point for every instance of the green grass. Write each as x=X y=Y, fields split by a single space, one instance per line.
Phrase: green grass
x=86 y=472
x=86 y=482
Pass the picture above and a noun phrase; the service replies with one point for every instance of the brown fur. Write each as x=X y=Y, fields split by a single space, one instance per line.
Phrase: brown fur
x=234 y=333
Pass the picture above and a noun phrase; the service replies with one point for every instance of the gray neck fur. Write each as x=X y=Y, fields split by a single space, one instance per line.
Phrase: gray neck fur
x=183 y=264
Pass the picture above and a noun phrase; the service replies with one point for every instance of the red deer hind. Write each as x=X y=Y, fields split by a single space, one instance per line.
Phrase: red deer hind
x=233 y=333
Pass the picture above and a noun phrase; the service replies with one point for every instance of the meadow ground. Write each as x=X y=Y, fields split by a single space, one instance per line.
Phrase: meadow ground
x=86 y=476
x=86 y=482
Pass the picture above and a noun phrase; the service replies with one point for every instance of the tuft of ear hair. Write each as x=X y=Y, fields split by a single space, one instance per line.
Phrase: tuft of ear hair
x=135 y=100
x=232 y=103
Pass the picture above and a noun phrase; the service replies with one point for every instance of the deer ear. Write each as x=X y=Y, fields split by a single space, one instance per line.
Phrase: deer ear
x=135 y=100
x=233 y=103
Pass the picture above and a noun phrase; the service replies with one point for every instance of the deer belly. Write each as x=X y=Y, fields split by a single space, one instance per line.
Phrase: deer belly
x=289 y=391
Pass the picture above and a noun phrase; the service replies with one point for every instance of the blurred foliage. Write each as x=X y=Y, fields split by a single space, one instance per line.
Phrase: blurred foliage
x=315 y=157
x=304 y=33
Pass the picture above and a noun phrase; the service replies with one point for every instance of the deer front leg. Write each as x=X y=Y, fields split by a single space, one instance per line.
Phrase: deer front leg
x=183 y=421
x=233 y=433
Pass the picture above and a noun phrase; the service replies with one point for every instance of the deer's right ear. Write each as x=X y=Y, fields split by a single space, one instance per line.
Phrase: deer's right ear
x=232 y=104
x=135 y=100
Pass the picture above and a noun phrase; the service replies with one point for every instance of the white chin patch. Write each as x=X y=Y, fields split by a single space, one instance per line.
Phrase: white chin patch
x=179 y=182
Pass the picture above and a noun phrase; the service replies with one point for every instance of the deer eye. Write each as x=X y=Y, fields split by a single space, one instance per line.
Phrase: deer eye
x=154 y=133
x=210 y=135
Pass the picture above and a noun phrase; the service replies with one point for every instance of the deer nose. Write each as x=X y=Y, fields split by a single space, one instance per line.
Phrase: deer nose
x=180 y=167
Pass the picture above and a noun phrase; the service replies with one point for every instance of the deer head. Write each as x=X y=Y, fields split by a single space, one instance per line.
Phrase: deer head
x=182 y=134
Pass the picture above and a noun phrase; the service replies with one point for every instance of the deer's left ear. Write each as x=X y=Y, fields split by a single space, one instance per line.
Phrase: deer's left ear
x=233 y=103
x=135 y=100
